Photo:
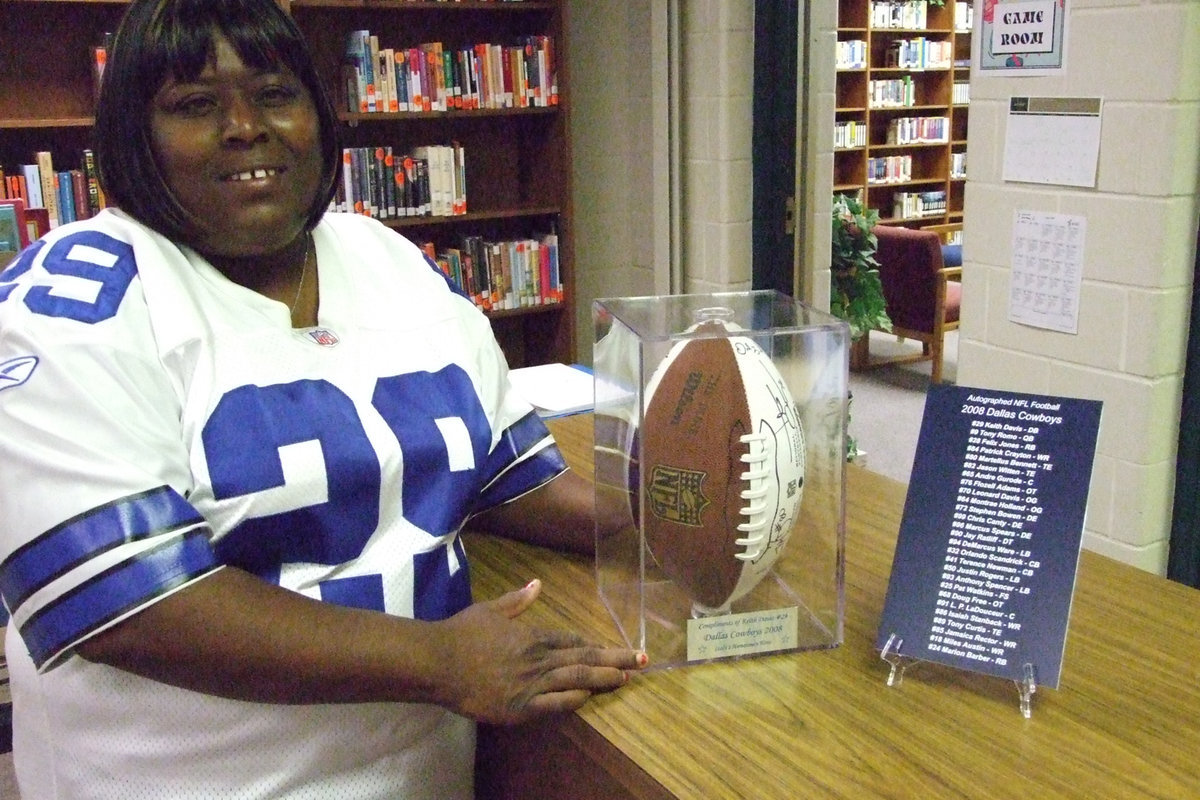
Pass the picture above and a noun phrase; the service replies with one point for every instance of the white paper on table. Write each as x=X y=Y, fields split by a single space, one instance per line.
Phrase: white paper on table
x=555 y=389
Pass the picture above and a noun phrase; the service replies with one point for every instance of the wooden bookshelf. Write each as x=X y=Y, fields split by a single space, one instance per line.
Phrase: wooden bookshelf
x=518 y=161
x=899 y=132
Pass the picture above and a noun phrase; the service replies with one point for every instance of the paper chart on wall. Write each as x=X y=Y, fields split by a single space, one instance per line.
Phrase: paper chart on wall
x=1053 y=140
x=1047 y=270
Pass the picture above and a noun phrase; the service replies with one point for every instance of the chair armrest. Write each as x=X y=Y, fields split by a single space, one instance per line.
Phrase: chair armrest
x=944 y=231
x=944 y=276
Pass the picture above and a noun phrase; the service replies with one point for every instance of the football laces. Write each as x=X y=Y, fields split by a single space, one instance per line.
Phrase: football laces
x=758 y=460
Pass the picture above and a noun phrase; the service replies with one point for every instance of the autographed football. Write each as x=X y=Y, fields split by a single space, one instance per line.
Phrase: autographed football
x=722 y=467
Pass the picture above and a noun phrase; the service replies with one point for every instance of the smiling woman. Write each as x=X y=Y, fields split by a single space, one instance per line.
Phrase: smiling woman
x=239 y=149
x=240 y=438
x=174 y=44
x=242 y=143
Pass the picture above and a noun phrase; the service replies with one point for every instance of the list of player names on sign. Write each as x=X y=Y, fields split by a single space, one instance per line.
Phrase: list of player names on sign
x=988 y=547
x=988 y=553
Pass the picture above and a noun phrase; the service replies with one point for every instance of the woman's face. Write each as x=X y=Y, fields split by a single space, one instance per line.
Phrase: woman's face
x=241 y=151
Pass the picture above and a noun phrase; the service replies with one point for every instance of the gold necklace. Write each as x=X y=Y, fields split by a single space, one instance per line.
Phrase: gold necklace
x=308 y=249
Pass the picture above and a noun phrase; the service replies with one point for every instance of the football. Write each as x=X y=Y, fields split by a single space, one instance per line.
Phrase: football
x=722 y=465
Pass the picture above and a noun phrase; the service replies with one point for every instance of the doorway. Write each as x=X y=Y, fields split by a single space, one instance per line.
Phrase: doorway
x=777 y=32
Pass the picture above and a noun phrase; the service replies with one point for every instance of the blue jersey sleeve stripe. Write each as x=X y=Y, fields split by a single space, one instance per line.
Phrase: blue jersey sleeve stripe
x=522 y=477
x=77 y=540
x=522 y=437
x=115 y=592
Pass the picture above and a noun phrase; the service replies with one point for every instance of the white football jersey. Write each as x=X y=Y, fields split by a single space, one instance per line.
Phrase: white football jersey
x=158 y=421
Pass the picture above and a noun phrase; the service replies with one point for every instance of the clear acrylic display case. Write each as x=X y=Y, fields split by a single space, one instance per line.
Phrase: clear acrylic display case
x=798 y=604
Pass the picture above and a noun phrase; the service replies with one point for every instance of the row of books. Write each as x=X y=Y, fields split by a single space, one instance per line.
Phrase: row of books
x=435 y=77
x=919 y=53
x=964 y=16
x=906 y=205
x=65 y=194
x=918 y=130
x=428 y=181
x=892 y=93
x=503 y=275
x=850 y=54
x=911 y=14
x=850 y=133
x=960 y=95
x=889 y=169
x=958 y=165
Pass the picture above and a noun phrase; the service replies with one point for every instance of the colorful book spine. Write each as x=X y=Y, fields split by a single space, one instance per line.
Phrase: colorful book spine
x=45 y=165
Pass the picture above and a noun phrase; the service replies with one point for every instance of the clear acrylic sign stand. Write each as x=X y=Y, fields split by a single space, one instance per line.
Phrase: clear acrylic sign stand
x=1026 y=686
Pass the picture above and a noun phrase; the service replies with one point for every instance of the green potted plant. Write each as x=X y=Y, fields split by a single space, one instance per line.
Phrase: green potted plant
x=856 y=293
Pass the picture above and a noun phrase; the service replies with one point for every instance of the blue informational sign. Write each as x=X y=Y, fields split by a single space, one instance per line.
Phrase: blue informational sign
x=989 y=541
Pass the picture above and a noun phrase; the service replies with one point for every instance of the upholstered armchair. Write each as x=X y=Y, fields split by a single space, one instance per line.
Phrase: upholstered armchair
x=923 y=295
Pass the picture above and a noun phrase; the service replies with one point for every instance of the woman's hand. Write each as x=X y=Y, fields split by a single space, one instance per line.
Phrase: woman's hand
x=509 y=671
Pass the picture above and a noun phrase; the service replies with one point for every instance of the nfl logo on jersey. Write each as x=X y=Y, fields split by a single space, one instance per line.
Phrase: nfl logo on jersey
x=323 y=337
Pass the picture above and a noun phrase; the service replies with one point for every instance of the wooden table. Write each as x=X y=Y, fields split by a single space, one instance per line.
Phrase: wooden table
x=1125 y=722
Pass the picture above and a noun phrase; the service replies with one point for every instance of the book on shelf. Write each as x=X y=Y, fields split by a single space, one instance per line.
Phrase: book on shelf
x=37 y=220
x=417 y=80
x=100 y=60
x=82 y=206
x=435 y=72
x=460 y=178
x=91 y=176
x=359 y=70
x=66 y=196
x=21 y=237
x=384 y=76
x=33 y=185
x=14 y=235
x=49 y=181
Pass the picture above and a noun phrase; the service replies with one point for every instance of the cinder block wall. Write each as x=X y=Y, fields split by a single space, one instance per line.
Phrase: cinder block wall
x=1143 y=59
x=717 y=105
x=612 y=138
